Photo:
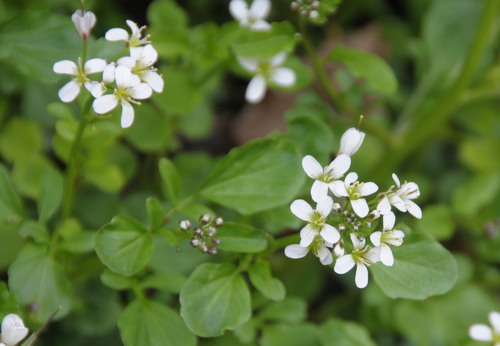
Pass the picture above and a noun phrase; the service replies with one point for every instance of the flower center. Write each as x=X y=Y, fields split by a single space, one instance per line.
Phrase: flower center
x=317 y=220
x=353 y=190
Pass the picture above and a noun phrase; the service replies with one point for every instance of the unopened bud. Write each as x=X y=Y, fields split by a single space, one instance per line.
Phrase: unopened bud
x=212 y=250
x=184 y=225
x=218 y=221
x=215 y=241
x=198 y=231
x=338 y=249
x=341 y=227
x=313 y=14
x=294 y=6
x=211 y=231
x=13 y=329
x=204 y=219
x=368 y=224
x=337 y=208
x=84 y=22
x=374 y=214
x=195 y=242
x=351 y=141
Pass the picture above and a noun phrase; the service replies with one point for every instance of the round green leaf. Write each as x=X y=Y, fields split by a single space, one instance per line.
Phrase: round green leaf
x=438 y=222
x=240 y=238
x=422 y=268
x=215 y=298
x=260 y=277
x=344 y=333
x=124 y=246
x=146 y=322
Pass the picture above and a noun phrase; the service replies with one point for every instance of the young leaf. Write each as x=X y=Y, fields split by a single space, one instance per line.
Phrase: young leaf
x=373 y=69
x=344 y=333
x=171 y=178
x=50 y=194
x=34 y=230
x=146 y=322
x=240 y=238
x=259 y=175
x=215 y=298
x=155 y=213
x=11 y=209
x=8 y=302
x=124 y=245
x=422 y=268
x=260 y=277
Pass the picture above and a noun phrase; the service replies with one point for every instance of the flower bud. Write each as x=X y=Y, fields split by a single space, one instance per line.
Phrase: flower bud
x=13 y=329
x=337 y=208
x=351 y=141
x=218 y=221
x=212 y=250
x=185 y=225
x=215 y=241
x=338 y=249
x=84 y=22
x=374 y=214
x=204 y=219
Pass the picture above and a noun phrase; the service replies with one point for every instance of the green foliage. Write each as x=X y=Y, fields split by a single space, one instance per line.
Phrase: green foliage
x=260 y=276
x=344 y=333
x=241 y=238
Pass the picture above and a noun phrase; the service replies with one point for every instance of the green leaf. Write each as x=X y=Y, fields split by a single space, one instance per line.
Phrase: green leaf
x=294 y=335
x=124 y=245
x=169 y=282
x=146 y=322
x=11 y=209
x=476 y=193
x=215 y=298
x=20 y=138
x=259 y=175
x=155 y=212
x=481 y=153
x=36 y=278
x=289 y=310
x=8 y=302
x=34 y=230
x=344 y=333
x=240 y=238
x=50 y=194
x=367 y=66
x=261 y=278
x=437 y=221
x=79 y=243
x=422 y=268
x=171 y=178
x=181 y=94
x=27 y=174
x=116 y=281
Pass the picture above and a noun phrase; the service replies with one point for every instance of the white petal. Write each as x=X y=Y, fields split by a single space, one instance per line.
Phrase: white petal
x=154 y=80
x=123 y=76
x=319 y=190
x=256 y=89
x=384 y=206
x=361 y=278
x=350 y=178
x=413 y=209
x=260 y=9
x=325 y=256
x=307 y=235
x=344 y=264
x=95 y=88
x=133 y=26
x=296 y=251
x=141 y=91
x=368 y=189
x=330 y=234
x=324 y=206
x=260 y=25
x=149 y=55
x=95 y=65
x=356 y=242
x=481 y=332
x=65 y=67
x=117 y=34
x=69 y=91
x=351 y=141
x=396 y=179
x=398 y=203
x=389 y=221
x=283 y=76
x=127 y=61
x=360 y=207
x=494 y=318
x=410 y=190
x=238 y=9
x=301 y=209
x=108 y=75
x=340 y=165
x=278 y=59
x=375 y=238
x=249 y=64
x=338 y=188
x=127 y=117
x=105 y=103
x=386 y=256
x=312 y=167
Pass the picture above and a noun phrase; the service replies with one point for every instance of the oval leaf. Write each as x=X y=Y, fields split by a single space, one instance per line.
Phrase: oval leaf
x=215 y=298
x=240 y=238
x=261 y=278
x=345 y=334
x=50 y=194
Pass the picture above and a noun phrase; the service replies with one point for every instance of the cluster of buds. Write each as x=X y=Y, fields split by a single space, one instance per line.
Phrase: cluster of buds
x=130 y=78
x=306 y=8
x=203 y=237
x=13 y=330
x=344 y=233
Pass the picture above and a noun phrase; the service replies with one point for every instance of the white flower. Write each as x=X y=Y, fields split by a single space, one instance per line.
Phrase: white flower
x=135 y=39
x=401 y=198
x=388 y=236
x=71 y=89
x=482 y=332
x=252 y=18
x=84 y=22
x=324 y=176
x=140 y=62
x=13 y=330
x=354 y=190
x=266 y=70
x=129 y=88
x=362 y=256
x=319 y=247
x=351 y=141
x=316 y=221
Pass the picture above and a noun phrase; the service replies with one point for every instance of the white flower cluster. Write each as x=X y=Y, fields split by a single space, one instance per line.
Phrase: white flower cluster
x=13 y=330
x=265 y=71
x=130 y=78
x=483 y=332
x=352 y=221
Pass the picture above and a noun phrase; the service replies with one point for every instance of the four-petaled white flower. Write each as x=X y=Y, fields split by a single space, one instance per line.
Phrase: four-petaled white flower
x=324 y=176
x=482 y=332
x=362 y=256
x=253 y=17
x=388 y=236
x=13 y=330
x=355 y=191
x=135 y=39
x=316 y=221
x=351 y=141
x=71 y=89
x=84 y=22
x=140 y=62
x=266 y=70
x=401 y=198
x=129 y=88
x=319 y=247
